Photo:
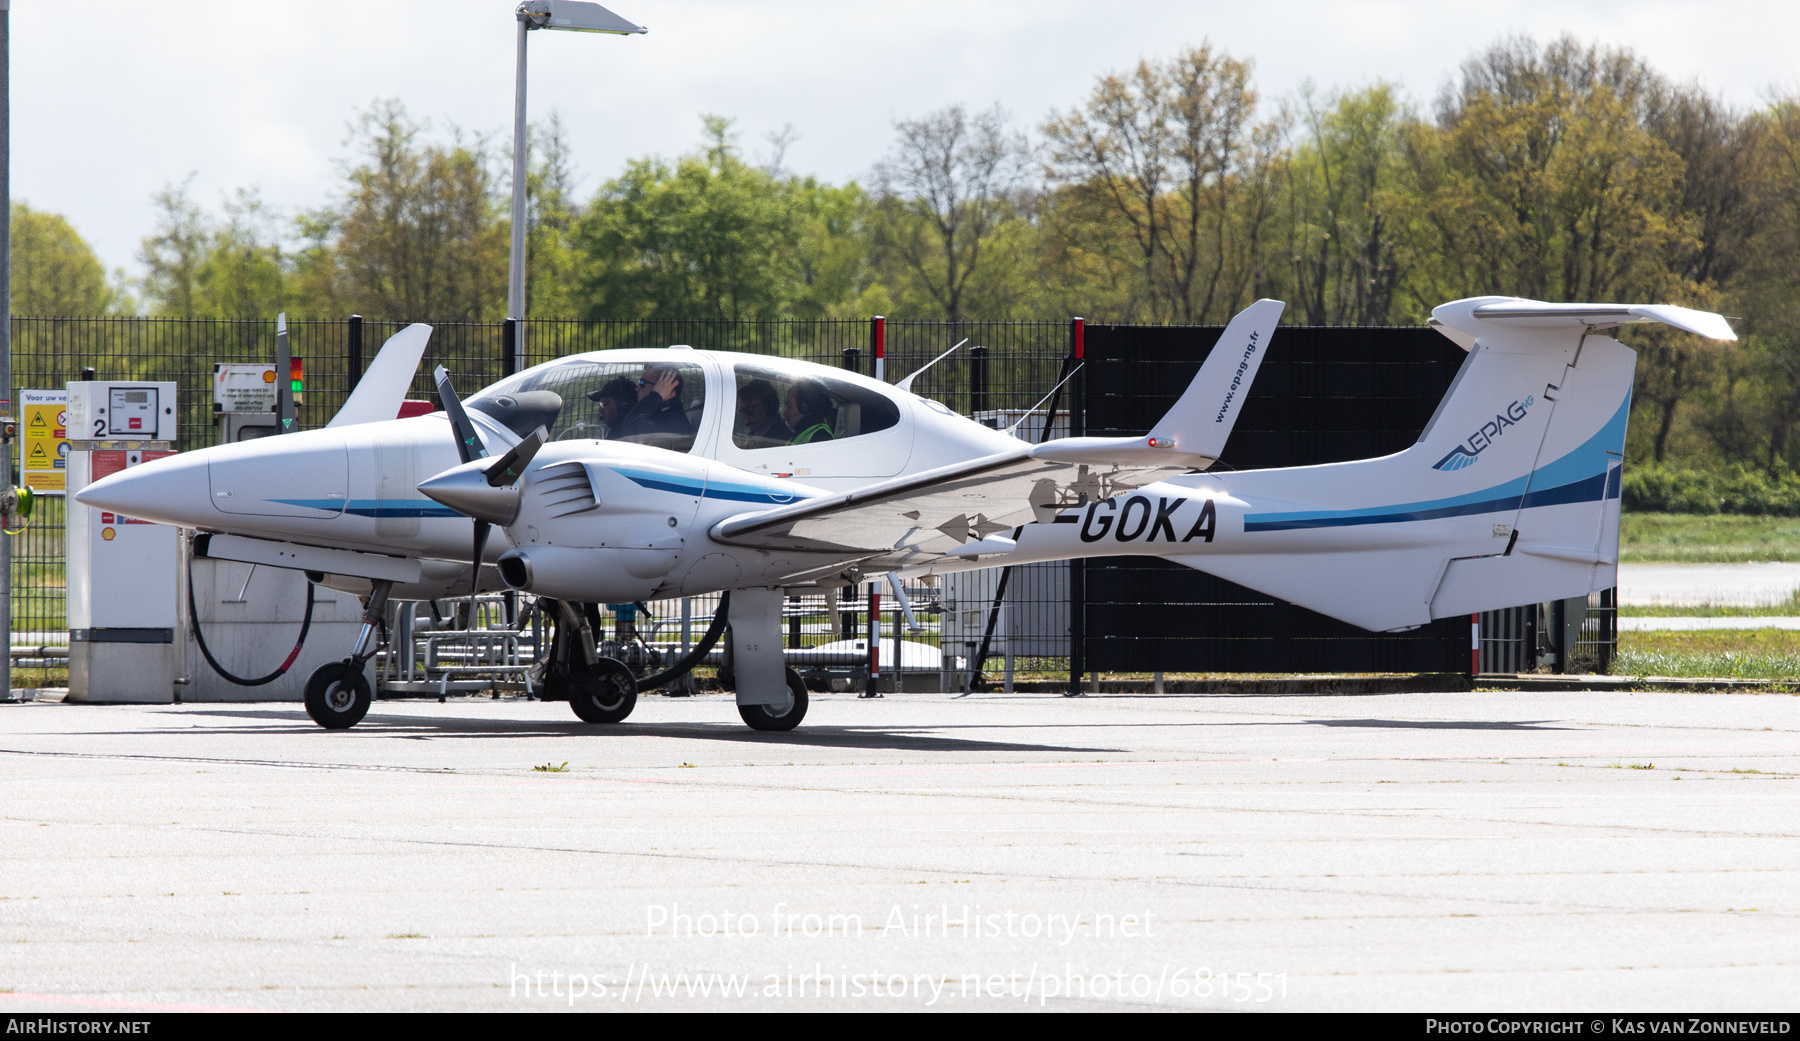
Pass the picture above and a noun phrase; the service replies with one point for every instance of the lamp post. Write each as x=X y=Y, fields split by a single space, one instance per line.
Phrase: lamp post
x=571 y=16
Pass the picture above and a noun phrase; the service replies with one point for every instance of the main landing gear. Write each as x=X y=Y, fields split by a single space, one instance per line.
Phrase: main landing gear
x=770 y=696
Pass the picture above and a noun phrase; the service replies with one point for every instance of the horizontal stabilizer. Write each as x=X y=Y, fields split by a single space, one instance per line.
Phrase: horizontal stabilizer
x=1512 y=322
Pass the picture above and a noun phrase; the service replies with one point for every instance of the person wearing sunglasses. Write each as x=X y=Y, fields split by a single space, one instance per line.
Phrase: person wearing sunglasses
x=659 y=409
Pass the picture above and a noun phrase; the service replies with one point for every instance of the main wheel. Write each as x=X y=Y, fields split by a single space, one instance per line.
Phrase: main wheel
x=605 y=693
x=337 y=695
x=769 y=717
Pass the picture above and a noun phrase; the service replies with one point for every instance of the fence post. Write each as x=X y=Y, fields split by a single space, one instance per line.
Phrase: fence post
x=509 y=347
x=1077 y=567
x=355 y=363
x=853 y=359
x=878 y=344
x=978 y=389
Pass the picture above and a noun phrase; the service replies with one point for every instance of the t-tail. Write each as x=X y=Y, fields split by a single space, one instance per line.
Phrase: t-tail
x=1510 y=496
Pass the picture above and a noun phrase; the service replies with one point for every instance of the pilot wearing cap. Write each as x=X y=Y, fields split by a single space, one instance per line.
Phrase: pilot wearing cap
x=615 y=399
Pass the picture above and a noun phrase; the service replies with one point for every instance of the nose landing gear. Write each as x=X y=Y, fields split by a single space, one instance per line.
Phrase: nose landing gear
x=337 y=693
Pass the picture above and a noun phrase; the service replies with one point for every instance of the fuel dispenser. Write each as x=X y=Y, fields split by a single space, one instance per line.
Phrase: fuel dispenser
x=121 y=572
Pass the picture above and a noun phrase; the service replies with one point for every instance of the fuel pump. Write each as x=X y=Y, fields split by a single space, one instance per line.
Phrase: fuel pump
x=121 y=571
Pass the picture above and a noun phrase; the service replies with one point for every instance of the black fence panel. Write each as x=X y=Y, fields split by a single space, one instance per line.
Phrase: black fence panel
x=1323 y=395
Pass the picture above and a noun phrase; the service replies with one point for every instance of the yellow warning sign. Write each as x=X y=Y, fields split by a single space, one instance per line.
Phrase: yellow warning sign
x=44 y=446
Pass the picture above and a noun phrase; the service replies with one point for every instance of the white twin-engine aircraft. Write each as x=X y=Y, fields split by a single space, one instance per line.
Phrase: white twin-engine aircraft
x=620 y=476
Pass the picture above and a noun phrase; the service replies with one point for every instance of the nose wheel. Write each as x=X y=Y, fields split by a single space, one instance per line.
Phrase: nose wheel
x=605 y=692
x=338 y=695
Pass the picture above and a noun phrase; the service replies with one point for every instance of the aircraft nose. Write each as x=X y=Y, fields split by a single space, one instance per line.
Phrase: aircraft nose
x=173 y=490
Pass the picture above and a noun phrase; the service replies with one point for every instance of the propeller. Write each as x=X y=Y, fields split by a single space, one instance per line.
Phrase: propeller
x=469 y=448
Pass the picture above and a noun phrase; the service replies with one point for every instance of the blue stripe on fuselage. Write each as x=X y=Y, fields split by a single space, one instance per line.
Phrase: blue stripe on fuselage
x=375 y=507
x=1580 y=476
x=709 y=490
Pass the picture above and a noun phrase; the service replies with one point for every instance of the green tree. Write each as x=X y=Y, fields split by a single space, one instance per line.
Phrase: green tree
x=708 y=237
x=244 y=272
x=173 y=253
x=1343 y=189
x=552 y=261
x=418 y=232
x=1167 y=162
x=1540 y=180
x=950 y=190
x=54 y=272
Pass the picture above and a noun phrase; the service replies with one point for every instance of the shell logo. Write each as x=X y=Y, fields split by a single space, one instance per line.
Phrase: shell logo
x=108 y=534
x=269 y=376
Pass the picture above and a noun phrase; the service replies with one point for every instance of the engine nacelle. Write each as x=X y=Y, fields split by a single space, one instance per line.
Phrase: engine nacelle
x=611 y=576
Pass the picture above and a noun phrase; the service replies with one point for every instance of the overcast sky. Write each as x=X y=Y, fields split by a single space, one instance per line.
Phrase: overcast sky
x=114 y=98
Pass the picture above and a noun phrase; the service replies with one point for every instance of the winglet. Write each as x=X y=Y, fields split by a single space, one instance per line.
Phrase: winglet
x=1193 y=433
x=383 y=387
x=1201 y=421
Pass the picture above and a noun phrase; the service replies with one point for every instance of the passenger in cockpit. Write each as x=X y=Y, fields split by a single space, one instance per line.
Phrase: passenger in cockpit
x=759 y=416
x=809 y=412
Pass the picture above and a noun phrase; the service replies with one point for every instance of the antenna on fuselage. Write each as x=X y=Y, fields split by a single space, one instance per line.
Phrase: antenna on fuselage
x=906 y=384
x=1021 y=420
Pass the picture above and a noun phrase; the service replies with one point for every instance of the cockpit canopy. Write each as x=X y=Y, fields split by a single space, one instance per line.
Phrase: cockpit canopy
x=779 y=414
x=659 y=403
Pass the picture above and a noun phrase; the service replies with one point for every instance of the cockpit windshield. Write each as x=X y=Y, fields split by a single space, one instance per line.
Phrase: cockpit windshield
x=657 y=403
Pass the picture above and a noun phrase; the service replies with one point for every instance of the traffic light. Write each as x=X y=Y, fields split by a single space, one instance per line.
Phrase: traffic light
x=297 y=380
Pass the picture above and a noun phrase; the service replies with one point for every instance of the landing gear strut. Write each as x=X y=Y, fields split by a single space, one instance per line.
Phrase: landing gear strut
x=338 y=694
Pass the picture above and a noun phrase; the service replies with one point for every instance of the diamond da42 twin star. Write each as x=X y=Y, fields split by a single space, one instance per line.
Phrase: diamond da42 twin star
x=620 y=476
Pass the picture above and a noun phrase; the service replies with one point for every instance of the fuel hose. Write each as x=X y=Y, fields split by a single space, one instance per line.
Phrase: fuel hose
x=695 y=656
x=200 y=638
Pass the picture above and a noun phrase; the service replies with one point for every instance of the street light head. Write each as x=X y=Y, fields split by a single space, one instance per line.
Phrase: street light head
x=575 y=16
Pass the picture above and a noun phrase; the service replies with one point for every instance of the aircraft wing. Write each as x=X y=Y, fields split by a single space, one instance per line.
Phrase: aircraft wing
x=949 y=510
x=961 y=509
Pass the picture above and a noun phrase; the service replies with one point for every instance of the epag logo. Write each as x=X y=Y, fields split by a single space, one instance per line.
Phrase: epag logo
x=1469 y=452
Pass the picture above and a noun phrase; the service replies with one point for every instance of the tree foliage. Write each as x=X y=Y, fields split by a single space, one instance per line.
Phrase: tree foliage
x=54 y=273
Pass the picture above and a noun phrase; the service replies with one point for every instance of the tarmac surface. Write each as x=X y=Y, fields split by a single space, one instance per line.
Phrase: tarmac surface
x=1486 y=851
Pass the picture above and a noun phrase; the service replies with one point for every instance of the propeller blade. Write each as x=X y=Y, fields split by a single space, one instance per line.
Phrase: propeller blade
x=511 y=466
x=481 y=536
x=468 y=442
